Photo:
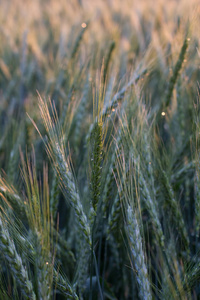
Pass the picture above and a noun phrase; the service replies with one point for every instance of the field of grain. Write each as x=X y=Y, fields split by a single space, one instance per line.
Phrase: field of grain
x=99 y=149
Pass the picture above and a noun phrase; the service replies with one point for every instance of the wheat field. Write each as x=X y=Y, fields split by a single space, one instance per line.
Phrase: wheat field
x=99 y=149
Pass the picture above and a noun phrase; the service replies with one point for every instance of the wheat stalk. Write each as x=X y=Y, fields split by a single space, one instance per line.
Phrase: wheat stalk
x=15 y=262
